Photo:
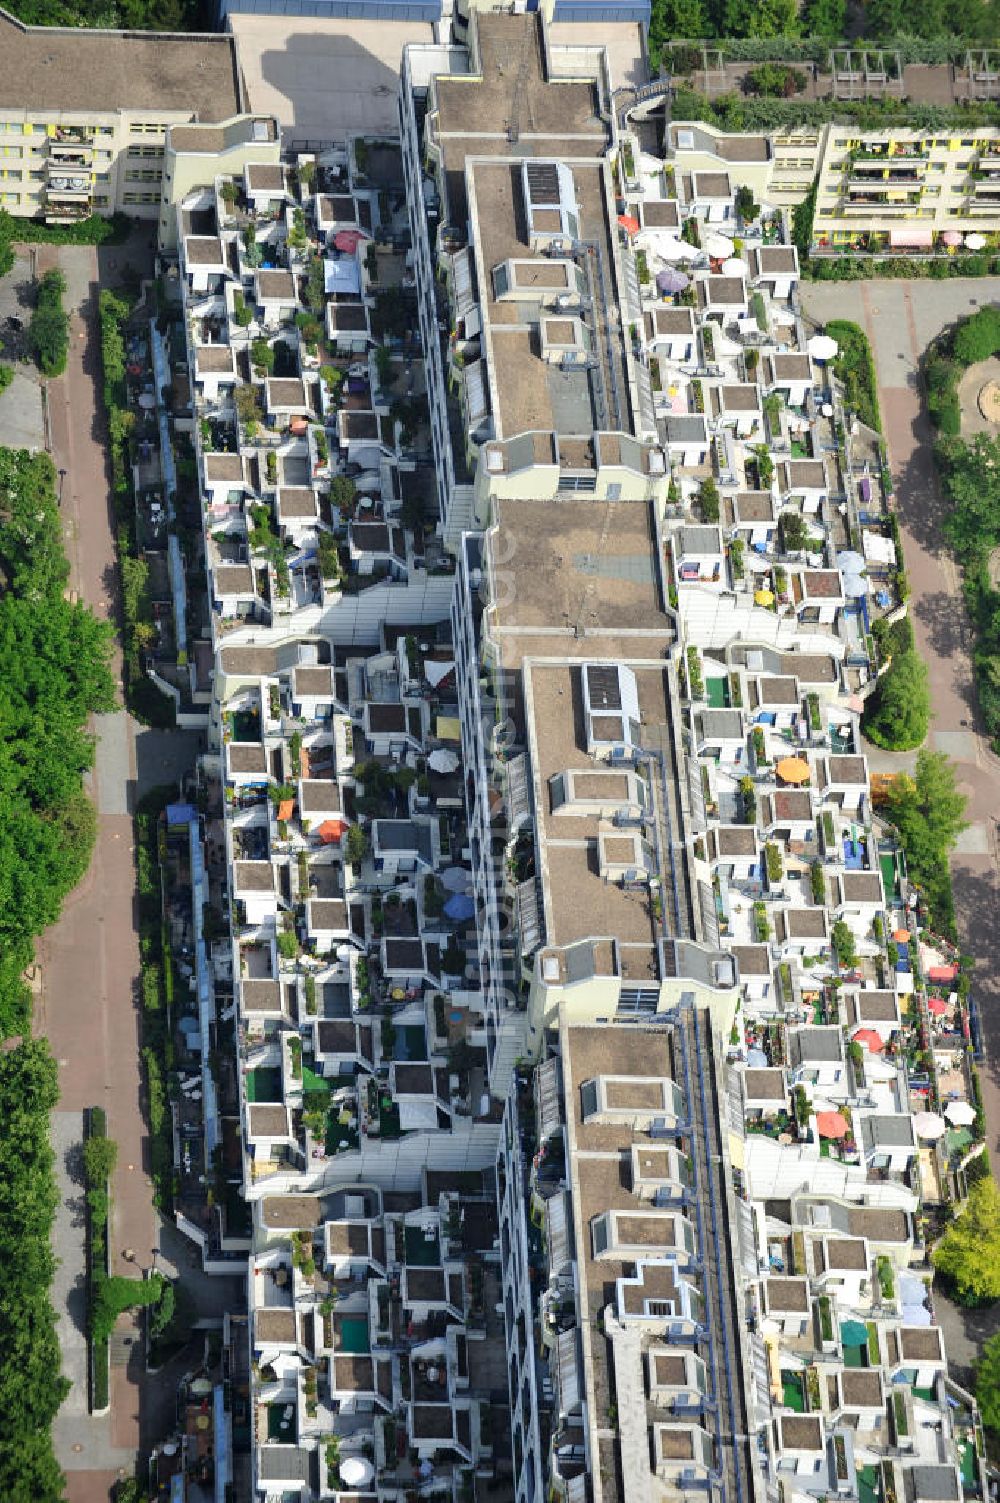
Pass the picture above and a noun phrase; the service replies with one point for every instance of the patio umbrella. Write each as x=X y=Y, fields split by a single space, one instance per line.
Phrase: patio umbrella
x=756 y=1059
x=763 y=597
x=951 y=237
x=459 y=907
x=331 y=831
x=670 y=279
x=456 y=879
x=442 y=759
x=942 y=972
x=286 y=808
x=929 y=1125
x=821 y=347
x=937 y=1006
x=629 y=224
x=793 y=770
x=975 y=241
x=355 y=1471
x=871 y=1040
x=719 y=247
x=348 y=240
x=667 y=247
x=883 y=598
x=901 y=936
x=734 y=267
x=831 y=1125
x=960 y=1113
x=854 y=1333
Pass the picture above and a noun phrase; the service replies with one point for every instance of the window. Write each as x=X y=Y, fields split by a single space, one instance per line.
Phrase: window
x=141 y=198
x=663 y=1308
x=600 y=1235
x=588 y=1098
x=638 y=999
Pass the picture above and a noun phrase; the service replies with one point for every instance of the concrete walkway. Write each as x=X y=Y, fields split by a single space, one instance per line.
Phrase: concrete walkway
x=88 y=1003
x=900 y=319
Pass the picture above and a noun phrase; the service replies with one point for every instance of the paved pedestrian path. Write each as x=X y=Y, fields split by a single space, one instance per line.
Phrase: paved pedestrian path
x=901 y=318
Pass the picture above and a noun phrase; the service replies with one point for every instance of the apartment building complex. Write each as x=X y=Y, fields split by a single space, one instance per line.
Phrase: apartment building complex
x=84 y=115
x=563 y=1061
x=903 y=190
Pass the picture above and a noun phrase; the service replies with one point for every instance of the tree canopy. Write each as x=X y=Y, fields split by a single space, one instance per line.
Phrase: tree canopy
x=929 y=813
x=31 y=1388
x=968 y=1255
x=53 y=674
x=898 y=713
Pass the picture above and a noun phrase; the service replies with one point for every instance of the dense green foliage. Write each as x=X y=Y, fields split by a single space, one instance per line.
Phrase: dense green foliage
x=941 y=25
x=929 y=813
x=976 y=338
x=48 y=332
x=113 y=1295
x=157 y=994
x=743 y=112
x=897 y=714
x=142 y=697
x=53 y=674
x=970 y=480
x=31 y=1388
x=6 y=377
x=130 y=15
x=968 y=1255
x=855 y=368
x=987 y=1384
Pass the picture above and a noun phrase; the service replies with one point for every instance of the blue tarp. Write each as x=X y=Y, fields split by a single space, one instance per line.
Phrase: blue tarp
x=181 y=814
x=220 y=1437
x=459 y=907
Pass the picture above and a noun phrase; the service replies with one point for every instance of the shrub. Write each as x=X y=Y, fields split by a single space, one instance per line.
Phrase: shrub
x=855 y=369
x=48 y=332
x=775 y=80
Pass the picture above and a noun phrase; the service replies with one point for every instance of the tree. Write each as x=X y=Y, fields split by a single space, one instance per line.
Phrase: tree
x=843 y=946
x=897 y=715
x=31 y=1389
x=929 y=813
x=795 y=533
x=262 y=355
x=747 y=206
x=977 y=337
x=760 y=18
x=343 y=494
x=357 y=845
x=971 y=476
x=675 y=18
x=968 y=1255
x=824 y=18
x=48 y=332
x=709 y=501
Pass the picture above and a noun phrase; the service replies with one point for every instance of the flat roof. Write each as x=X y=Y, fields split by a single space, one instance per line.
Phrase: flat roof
x=66 y=69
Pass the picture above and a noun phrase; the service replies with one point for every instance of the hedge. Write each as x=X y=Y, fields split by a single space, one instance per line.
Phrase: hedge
x=97 y=1214
x=157 y=989
x=815 y=49
x=855 y=368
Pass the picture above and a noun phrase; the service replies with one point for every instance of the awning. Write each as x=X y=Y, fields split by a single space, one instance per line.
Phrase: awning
x=342 y=276
x=331 y=831
x=913 y=238
x=286 y=808
x=448 y=728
